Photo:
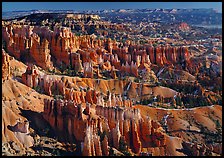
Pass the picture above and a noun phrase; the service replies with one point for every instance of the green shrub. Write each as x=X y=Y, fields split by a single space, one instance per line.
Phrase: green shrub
x=123 y=147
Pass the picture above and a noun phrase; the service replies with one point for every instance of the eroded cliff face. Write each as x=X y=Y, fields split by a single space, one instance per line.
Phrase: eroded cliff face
x=94 y=91
x=5 y=66
x=94 y=113
x=86 y=54
x=88 y=114
x=87 y=124
x=99 y=109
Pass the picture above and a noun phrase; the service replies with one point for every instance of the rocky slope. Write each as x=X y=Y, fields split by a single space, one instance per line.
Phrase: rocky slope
x=64 y=94
x=97 y=117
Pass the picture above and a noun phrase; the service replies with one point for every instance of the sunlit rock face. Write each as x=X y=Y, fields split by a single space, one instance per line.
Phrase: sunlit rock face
x=119 y=122
x=85 y=54
x=88 y=70
x=41 y=54
x=76 y=62
x=184 y=27
x=90 y=88
x=5 y=66
x=90 y=111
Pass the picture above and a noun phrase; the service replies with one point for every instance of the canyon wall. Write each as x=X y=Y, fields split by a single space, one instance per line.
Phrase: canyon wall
x=61 y=48
x=5 y=66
